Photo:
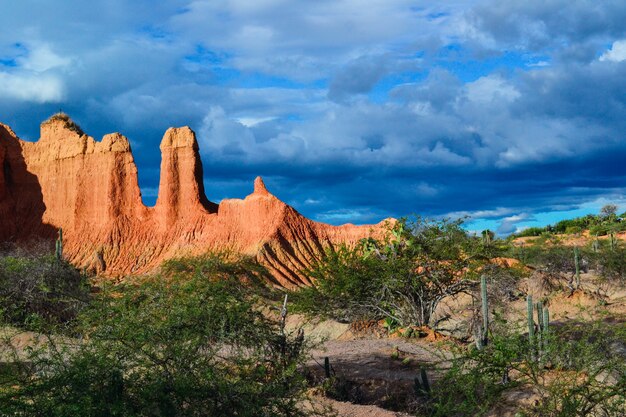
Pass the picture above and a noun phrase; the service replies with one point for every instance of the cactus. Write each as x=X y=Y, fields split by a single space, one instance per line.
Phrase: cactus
x=59 y=246
x=485 y=310
x=421 y=384
x=546 y=320
x=531 y=322
x=283 y=315
x=577 y=265
x=539 y=307
x=327 y=367
x=612 y=240
x=595 y=245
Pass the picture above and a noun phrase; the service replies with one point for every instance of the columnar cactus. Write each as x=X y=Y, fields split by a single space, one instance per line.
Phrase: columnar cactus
x=577 y=265
x=327 y=373
x=59 y=246
x=485 y=310
x=421 y=384
x=546 y=320
x=612 y=240
x=531 y=322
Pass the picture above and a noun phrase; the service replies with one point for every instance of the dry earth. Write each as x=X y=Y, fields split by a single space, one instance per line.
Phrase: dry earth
x=377 y=372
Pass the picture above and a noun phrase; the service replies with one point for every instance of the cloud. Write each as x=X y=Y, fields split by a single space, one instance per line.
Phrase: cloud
x=617 y=52
x=31 y=87
x=351 y=112
x=41 y=58
x=357 y=77
x=535 y=25
x=509 y=224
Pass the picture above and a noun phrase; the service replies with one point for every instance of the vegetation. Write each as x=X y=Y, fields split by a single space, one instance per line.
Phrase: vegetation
x=605 y=222
x=580 y=373
x=37 y=289
x=68 y=122
x=200 y=338
x=401 y=278
x=190 y=342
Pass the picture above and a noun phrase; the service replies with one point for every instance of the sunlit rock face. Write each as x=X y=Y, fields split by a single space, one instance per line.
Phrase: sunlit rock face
x=90 y=189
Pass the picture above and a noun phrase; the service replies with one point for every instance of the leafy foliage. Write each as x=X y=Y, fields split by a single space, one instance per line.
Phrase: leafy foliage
x=402 y=277
x=191 y=342
x=37 y=289
x=580 y=371
x=67 y=120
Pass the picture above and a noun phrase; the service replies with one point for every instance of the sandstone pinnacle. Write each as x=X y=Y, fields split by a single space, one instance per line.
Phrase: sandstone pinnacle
x=90 y=188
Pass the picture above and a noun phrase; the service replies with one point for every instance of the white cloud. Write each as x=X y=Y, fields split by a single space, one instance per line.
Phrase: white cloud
x=31 y=87
x=253 y=121
x=491 y=88
x=41 y=58
x=481 y=214
x=617 y=52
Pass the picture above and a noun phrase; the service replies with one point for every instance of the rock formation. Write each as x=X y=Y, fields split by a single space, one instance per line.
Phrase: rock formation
x=90 y=189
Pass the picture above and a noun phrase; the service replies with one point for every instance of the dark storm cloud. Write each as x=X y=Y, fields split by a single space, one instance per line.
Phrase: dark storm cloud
x=537 y=24
x=499 y=110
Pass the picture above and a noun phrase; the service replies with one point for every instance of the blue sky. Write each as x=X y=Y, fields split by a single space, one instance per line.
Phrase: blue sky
x=511 y=113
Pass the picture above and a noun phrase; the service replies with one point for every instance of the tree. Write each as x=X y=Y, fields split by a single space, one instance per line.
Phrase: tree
x=608 y=211
x=38 y=289
x=488 y=236
x=402 y=277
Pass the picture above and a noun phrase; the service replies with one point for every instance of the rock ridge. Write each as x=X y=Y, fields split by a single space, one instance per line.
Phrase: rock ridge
x=90 y=188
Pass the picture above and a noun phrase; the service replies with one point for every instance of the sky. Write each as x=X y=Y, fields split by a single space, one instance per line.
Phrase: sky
x=512 y=113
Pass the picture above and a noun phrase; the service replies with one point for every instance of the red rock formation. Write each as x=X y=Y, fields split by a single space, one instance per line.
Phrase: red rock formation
x=90 y=189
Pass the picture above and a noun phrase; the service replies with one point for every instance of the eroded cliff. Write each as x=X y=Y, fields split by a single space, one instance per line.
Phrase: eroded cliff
x=90 y=189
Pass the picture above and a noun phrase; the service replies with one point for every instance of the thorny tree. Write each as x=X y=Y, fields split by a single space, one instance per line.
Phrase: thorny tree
x=402 y=277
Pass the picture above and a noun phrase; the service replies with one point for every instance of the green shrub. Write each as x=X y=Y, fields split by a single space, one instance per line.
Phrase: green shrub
x=38 y=289
x=68 y=122
x=611 y=263
x=401 y=278
x=579 y=370
x=191 y=342
x=573 y=230
x=531 y=231
x=599 y=230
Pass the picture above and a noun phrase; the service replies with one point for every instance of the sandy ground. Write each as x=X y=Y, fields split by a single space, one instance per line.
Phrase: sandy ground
x=377 y=373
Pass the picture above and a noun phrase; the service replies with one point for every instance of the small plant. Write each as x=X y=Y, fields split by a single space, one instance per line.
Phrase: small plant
x=68 y=122
x=59 y=246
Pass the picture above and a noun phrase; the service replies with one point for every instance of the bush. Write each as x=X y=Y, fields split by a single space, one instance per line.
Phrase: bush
x=553 y=259
x=612 y=264
x=191 y=342
x=531 y=232
x=573 y=230
x=580 y=370
x=599 y=230
x=37 y=289
x=401 y=278
x=68 y=122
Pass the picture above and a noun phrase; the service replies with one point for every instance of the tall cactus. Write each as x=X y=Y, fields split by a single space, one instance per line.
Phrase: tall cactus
x=59 y=246
x=421 y=384
x=546 y=320
x=539 y=307
x=595 y=245
x=485 y=310
x=577 y=265
x=531 y=322
x=612 y=240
